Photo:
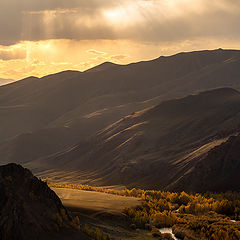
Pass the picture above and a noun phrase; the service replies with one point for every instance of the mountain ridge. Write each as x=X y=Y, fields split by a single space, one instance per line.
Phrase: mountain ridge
x=91 y=91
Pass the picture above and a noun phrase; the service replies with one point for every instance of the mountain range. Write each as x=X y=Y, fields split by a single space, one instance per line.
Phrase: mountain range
x=148 y=124
x=156 y=147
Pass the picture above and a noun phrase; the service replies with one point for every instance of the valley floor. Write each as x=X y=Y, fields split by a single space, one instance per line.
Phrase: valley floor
x=103 y=211
x=141 y=214
x=95 y=201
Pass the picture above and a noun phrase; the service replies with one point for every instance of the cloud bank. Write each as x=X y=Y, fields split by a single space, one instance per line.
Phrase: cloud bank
x=137 y=20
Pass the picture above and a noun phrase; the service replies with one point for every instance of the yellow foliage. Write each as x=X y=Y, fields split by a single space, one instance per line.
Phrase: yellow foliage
x=193 y=213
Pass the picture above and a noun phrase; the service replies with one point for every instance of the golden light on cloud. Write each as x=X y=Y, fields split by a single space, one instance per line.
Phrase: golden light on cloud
x=46 y=37
x=115 y=15
x=127 y=15
x=46 y=57
x=51 y=56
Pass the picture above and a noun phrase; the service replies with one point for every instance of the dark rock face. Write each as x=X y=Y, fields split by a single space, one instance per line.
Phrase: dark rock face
x=28 y=207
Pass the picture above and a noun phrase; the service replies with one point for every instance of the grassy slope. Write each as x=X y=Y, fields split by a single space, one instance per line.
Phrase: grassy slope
x=95 y=201
x=103 y=211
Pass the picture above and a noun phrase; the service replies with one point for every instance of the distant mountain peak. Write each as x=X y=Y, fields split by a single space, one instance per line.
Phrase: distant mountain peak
x=62 y=74
x=219 y=50
x=102 y=66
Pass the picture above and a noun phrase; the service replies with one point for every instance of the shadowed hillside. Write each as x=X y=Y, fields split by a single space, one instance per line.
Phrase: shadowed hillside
x=219 y=170
x=104 y=94
x=43 y=118
x=78 y=104
x=155 y=147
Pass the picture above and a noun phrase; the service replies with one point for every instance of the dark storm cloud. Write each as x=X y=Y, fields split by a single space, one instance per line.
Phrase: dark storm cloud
x=35 y=20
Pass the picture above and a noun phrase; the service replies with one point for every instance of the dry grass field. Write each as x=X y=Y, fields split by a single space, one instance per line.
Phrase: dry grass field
x=103 y=211
x=95 y=201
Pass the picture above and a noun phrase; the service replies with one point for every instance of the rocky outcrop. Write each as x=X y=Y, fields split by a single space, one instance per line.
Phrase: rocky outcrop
x=29 y=209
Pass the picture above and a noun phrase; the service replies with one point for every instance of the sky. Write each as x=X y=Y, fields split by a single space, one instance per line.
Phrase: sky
x=43 y=37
